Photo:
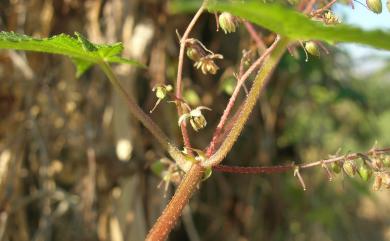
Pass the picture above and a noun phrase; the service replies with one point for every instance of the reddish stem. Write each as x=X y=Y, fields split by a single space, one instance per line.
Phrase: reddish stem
x=173 y=210
x=284 y=168
x=255 y=36
x=321 y=10
x=229 y=107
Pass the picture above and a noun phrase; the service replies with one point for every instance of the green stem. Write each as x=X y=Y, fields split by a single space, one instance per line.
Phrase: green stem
x=143 y=117
x=257 y=87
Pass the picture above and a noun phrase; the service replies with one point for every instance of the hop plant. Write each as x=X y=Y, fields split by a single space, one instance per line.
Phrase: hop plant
x=365 y=172
x=312 y=48
x=196 y=118
x=207 y=65
x=161 y=92
x=227 y=22
x=349 y=168
x=203 y=57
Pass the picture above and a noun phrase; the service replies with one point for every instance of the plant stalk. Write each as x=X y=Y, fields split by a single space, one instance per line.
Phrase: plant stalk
x=173 y=210
x=257 y=87
x=173 y=151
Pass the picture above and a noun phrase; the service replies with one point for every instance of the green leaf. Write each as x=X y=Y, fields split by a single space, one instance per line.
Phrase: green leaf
x=81 y=66
x=297 y=26
x=288 y=22
x=82 y=52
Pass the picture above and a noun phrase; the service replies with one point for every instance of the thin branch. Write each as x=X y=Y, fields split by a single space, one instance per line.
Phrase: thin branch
x=298 y=175
x=232 y=100
x=287 y=167
x=259 y=83
x=179 y=87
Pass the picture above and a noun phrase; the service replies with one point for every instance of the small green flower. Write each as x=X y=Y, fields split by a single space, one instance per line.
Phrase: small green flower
x=349 y=168
x=197 y=120
x=365 y=172
x=227 y=22
x=161 y=93
x=207 y=64
x=336 y=167
x=311 y=48
x=374 y=5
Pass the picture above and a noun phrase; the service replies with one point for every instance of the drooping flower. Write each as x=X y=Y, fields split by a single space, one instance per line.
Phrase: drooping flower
x=312 y=48
x=196 y=118
x=227 y=22
x=374 y=5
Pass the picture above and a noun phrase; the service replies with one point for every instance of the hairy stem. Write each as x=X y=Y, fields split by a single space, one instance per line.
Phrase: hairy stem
x=229 y=107
x=287 y=167
x=173 y=210
x=250 y=102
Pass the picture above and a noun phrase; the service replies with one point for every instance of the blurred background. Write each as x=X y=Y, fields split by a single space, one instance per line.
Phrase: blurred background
x=75 y=165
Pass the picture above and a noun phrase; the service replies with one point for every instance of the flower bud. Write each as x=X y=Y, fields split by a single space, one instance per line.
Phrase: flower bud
x=312 y=48
x=365 y=172
x=349 y=168
x=336 y=167
x=161 y=93
x=162 y=90
x=227 y=22
x=374 y=5
x=193 y=53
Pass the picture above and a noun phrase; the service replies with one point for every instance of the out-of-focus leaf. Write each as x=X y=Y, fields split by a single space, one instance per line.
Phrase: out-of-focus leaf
x=297 y=26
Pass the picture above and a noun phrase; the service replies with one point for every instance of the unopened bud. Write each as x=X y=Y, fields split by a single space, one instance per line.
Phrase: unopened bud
x=374 y=5
x=193 y=53
x=336 y=167
x=227 y=22
x=349 y=168
x=312 y=48
x=365 y=172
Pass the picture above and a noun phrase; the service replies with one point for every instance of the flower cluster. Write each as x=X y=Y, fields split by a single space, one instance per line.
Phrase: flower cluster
x=366 y=167
x=203 y=57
